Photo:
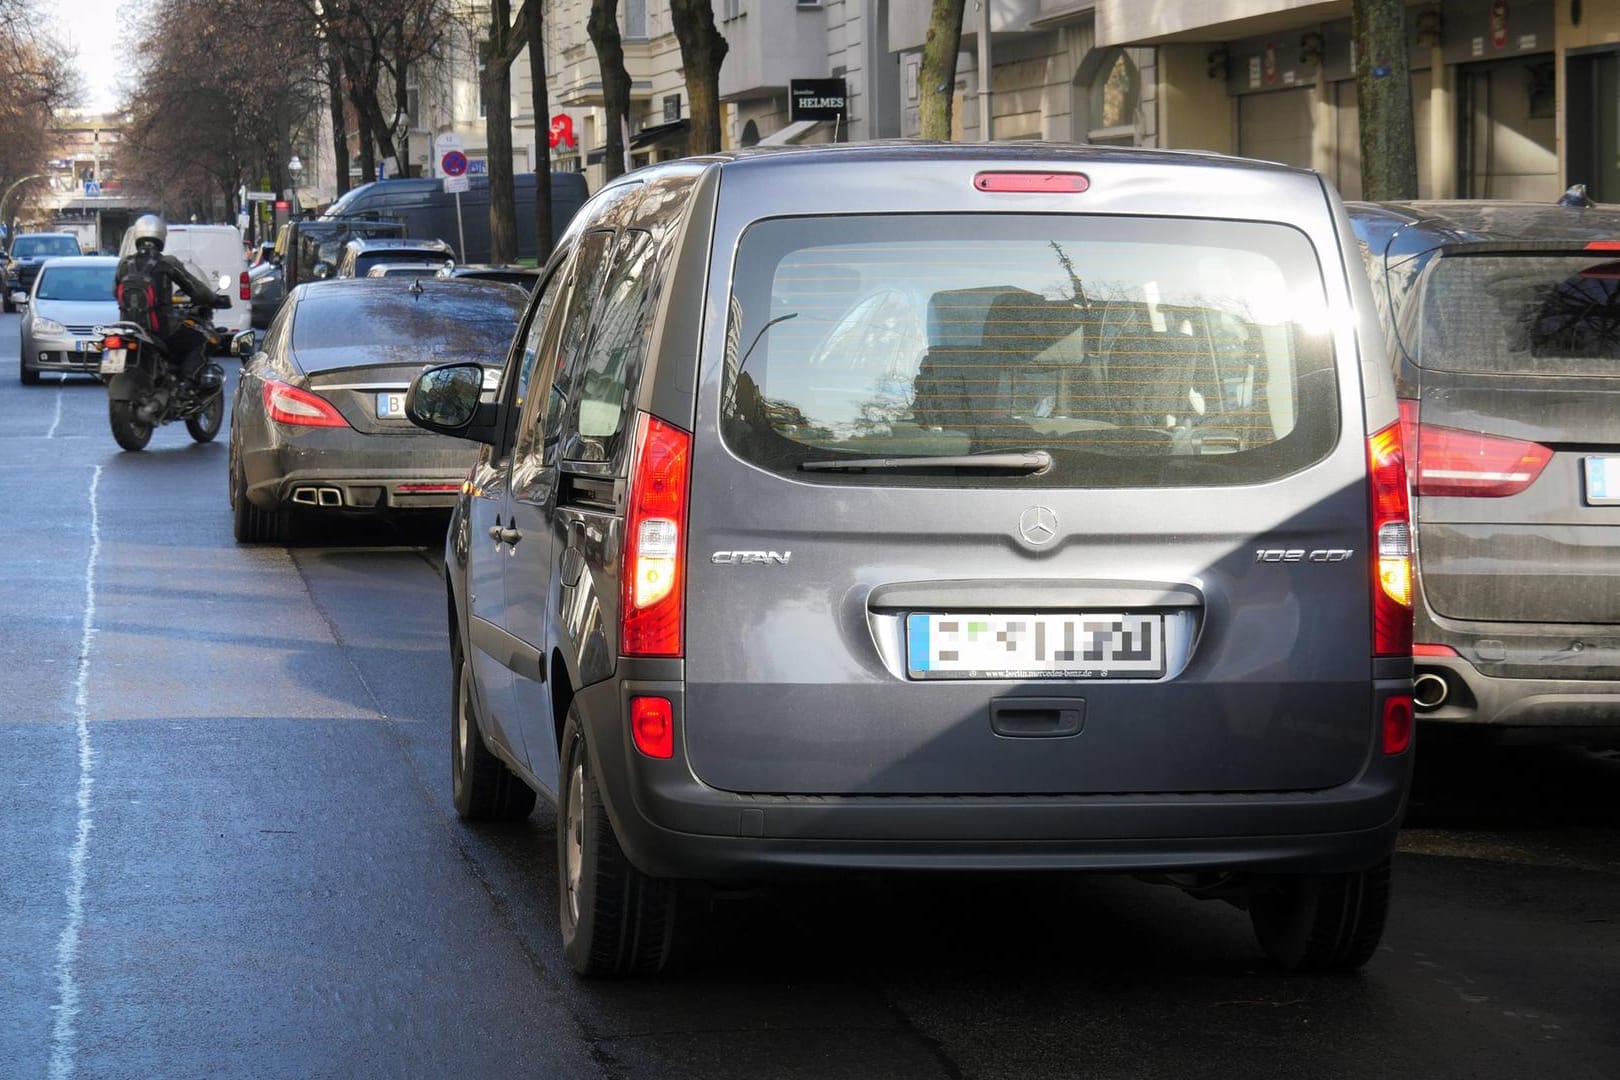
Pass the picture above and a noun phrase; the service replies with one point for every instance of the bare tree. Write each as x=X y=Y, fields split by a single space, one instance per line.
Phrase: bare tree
x=534 y=32
x=1384 y=100
x=603 y=27
x=936 y=75
x=703 y=50
x=39 y=82
x=498 y=128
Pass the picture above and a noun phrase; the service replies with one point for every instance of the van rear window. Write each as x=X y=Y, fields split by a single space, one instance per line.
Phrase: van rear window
x=1519 y=314
x=1133 y=351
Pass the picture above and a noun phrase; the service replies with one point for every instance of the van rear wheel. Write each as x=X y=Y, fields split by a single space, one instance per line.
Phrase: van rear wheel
x=615 y=919
x=1320 y=923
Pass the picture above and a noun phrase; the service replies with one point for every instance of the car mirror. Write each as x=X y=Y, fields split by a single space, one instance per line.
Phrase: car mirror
x=322 y=271
x=244 y=345
x=447 y=400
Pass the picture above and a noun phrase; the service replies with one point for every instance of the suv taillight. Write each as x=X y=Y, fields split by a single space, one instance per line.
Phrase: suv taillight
x=1449 y=461
x=1392 y=544
x=653 y=571
x=242 y=291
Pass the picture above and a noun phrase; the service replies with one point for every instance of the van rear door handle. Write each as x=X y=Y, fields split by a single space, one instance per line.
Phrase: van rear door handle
x=510 y=537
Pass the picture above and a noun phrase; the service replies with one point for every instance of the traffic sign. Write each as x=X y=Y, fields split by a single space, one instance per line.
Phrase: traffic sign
x=261 y=196
x=457 y=184
x=443 y=146
x=454 y=163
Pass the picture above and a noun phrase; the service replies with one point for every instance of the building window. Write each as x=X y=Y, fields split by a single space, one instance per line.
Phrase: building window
x=1113 y=90
x=635 y=19
x=413 y=96
x=483 y=66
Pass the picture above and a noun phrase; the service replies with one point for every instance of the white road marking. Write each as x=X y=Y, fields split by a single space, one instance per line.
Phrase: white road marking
x=64 y=1032
x=57 y=422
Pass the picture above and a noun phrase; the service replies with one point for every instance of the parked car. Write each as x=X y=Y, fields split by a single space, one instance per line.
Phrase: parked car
x=426 y=209
x=1504 y=335
x=318 y=427
x=404 y=269
x=28 y=251
x=265 y=291
x=214 y=254
x=71 y=296
x=1108 y=573
x=524 y=277
x=361 y=254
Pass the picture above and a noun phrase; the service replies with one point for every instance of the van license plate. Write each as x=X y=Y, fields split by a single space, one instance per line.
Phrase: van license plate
x=1603 y=481
x=391 y=405
x=1090 y=645
x=112 y=362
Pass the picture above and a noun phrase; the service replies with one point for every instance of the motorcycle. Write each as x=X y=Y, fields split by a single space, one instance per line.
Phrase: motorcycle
x=144 y=391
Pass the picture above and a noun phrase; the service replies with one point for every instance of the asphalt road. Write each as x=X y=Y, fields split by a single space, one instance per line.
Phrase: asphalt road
x=227 y=850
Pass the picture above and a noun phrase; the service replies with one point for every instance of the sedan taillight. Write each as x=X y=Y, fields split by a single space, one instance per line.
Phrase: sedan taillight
x=287 y=404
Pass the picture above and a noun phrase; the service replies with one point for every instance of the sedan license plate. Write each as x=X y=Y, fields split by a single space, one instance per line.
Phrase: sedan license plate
x=112 y=361
x=1078 y=645
x=391 y=405
x=1603 y=481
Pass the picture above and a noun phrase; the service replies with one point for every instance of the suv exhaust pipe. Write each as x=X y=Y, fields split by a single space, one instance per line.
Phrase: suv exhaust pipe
x=1429 y=691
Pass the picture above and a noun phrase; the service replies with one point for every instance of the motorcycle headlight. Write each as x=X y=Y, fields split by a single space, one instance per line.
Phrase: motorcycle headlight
x=43 y=325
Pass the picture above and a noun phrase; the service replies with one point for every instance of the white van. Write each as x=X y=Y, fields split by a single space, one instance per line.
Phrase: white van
x=213 y=253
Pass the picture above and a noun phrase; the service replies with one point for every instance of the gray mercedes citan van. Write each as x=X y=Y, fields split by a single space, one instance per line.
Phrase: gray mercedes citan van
x=923 y=507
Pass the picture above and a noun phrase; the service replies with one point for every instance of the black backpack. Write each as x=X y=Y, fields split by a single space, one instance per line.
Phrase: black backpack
x=138 y=292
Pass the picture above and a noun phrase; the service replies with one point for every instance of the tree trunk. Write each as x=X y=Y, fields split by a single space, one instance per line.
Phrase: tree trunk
x=340 y=122
x=381 y=129
x=362 y=122
x=703 y=50
x=402 y=100
x=1384 y=100
x=936 y=76
x=603 y=27
x=535 y=28
x=498 y=126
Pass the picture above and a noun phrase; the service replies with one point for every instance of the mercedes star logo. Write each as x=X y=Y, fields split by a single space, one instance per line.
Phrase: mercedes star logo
x=1038 y=526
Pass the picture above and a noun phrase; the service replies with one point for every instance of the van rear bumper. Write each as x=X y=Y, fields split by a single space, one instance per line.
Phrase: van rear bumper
x=671 y=824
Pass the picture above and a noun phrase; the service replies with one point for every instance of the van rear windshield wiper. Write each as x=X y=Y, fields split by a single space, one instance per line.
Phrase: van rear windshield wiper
x=1028 y=461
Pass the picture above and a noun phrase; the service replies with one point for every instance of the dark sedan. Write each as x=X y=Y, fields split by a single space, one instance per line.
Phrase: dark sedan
x=318 y=423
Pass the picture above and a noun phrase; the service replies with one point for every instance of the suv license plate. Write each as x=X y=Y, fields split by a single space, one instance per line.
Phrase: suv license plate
x=1603 y=481
x=1088 y=645
x=112 y=361
x=391 y=405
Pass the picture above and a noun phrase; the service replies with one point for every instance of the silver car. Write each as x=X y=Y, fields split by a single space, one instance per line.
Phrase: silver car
x=71 y=297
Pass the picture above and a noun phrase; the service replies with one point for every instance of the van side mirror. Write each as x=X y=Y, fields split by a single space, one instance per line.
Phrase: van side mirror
x=447 y=400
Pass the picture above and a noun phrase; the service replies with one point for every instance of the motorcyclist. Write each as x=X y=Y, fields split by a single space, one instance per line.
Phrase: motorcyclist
x=147 y=280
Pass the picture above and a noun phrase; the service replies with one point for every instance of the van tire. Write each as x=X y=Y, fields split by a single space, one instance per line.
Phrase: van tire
x=481 y=786
x=615 y=919
x=1322 y=923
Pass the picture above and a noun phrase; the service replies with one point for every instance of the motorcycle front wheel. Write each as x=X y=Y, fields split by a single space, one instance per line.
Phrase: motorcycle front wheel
x=205 y=425
x=128 y=430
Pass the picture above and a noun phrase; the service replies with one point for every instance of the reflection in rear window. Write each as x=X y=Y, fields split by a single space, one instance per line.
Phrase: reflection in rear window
x=435 y=324
x=1521 y=314
x=1135 y=351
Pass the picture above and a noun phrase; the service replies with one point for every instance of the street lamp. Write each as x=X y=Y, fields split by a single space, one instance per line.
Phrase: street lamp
x=294 y=169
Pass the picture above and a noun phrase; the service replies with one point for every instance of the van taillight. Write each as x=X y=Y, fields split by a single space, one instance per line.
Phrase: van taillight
x=1392 y=544
x=1450 y=461
x=242 y=292
x=653 y=590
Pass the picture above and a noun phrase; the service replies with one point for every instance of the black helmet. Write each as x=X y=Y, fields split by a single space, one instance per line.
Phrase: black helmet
x=150 y=231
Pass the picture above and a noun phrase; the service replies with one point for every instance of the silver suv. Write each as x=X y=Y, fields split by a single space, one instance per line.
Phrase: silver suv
x=941 y=507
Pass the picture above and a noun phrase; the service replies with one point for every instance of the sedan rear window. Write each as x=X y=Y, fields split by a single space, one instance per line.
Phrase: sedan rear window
x=440 y=323
x=1049 y=351
x=1518 y=314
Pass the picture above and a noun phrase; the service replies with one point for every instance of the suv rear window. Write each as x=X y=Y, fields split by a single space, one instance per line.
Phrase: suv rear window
x=1519 y=314
x=1136 y=351
x=35 y=246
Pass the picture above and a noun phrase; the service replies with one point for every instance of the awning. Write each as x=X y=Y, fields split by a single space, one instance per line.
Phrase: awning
x=657 y=133
x=791 y=134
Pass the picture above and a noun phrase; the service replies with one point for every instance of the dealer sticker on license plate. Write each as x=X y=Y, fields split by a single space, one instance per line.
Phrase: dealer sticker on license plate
x=1091 y=645
x=391 y=405
x=1603 y=481
x=112 y=361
